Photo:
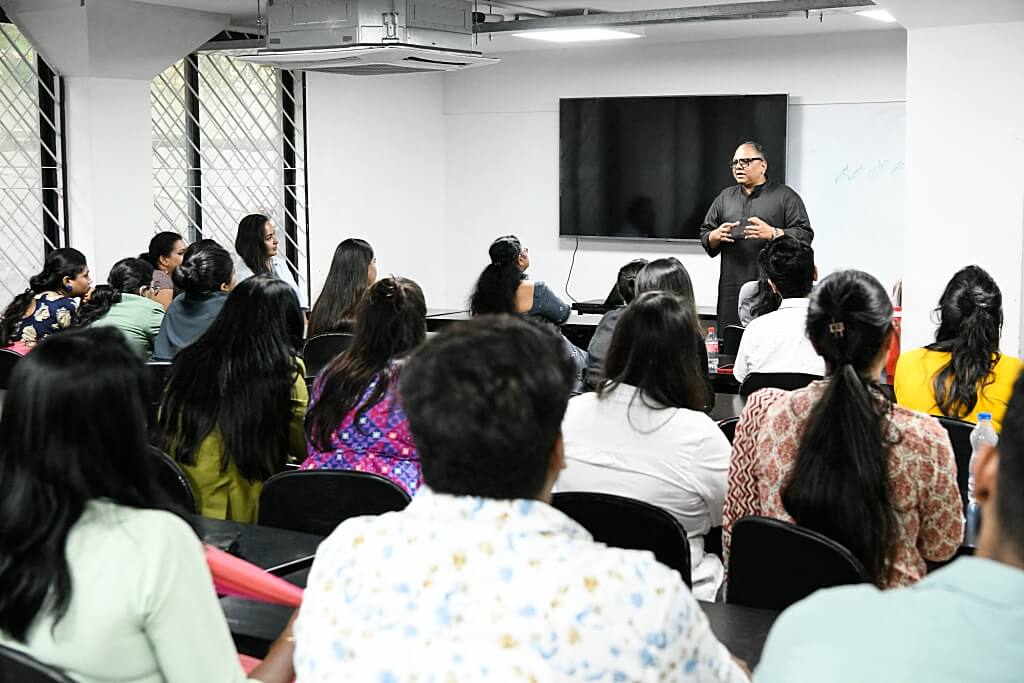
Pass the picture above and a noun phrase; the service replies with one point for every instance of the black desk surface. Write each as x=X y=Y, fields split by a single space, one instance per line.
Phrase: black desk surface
x=743 y=630
x=278 y=551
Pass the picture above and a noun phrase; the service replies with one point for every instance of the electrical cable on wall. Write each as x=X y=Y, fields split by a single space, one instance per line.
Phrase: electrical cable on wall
x=571 y=265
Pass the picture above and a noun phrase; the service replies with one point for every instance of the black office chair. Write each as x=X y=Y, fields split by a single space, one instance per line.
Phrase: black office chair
x=316 y=501
x=19 y=667
x=632 y=524
x=8 y=359
x=731 y=337
x=172 y=481
x=158 y=371
x=728 y=427
x=776 y=380
x=960 y=436
x=773 y=564
x=321 y=350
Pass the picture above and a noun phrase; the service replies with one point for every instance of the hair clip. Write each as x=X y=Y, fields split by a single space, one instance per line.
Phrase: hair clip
x=837 y=329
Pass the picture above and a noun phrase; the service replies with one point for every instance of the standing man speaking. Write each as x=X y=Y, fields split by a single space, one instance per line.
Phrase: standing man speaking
x=743 y=218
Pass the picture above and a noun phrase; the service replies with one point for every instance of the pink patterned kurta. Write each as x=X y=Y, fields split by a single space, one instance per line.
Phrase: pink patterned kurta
x=922 y=471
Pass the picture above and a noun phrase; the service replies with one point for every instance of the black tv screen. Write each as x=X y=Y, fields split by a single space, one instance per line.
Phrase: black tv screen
x=649 y=167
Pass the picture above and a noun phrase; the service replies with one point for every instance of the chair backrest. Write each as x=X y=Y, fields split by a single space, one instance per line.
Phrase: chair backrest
x=731 y=337
x=728 y=427
x=776 y=380
x=316 y=501
x=321 y=350
x=173 y=482
x=8 y=359
x=773 y=564
x=19 y=667
x=632 y=524
x=960 y=436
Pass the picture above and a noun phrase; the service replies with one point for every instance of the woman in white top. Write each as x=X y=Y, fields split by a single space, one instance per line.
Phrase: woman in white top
x=96 y=578
x=256 y=249
x=642 y=435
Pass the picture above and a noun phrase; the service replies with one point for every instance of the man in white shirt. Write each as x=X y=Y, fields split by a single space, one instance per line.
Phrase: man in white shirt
x=480 y=578
x=777 y=341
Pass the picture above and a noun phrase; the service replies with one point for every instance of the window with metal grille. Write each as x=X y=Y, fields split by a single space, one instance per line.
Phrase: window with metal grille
x=33 y=205
x=228 y=140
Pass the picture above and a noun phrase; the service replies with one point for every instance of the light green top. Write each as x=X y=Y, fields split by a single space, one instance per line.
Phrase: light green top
x=960 y=623
x=143 y=608
x=139 y=318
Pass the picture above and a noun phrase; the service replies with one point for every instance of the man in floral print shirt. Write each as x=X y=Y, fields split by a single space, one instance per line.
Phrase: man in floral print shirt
x=479 y=578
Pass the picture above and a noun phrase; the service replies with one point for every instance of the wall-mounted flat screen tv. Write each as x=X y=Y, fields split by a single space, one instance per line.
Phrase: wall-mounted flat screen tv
x=649 y=167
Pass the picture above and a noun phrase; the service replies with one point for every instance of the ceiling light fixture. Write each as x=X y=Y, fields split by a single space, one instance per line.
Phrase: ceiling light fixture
x=578 y=35
x=877 y=15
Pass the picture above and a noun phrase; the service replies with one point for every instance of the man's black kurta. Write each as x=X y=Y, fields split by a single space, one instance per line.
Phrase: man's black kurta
x=777 y=205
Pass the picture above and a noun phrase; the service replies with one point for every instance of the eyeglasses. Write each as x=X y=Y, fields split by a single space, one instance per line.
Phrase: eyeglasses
x=743 y=163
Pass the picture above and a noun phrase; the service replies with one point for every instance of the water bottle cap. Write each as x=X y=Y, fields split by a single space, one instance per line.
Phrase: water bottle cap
x=711 y=329
x=984 y=416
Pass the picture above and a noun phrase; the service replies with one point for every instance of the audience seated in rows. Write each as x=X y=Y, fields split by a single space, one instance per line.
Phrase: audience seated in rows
x=97 y=576
x=235 y=400
x=165 y=254
x=206 y=276
x=256 y=254
x=963 y=373
x=479 y=577
x=960 y=623
x=597 y=350
x=353 y=270
x=355 y=419
x=49 y=304
x=503 y=287
x=839 y=458
x=777 y=341
x=643 y=435
x=127 y=302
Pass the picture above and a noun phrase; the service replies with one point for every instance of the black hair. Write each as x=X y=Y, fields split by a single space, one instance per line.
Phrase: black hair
x=249 y=242
x=204 y=268
x=238 y=377
x=391 y=325
x=971 y=310
x=127 y=276
x=162 y=244
x=485 y=401
x=626 y=281
x=654 y=348
x=756 y=146
x=55 y=459
x=347 y=281
x=495 y=290
x=668 y=275
x=789 y=264
x=1009 y=501
x=58 y=264
x=839 y=485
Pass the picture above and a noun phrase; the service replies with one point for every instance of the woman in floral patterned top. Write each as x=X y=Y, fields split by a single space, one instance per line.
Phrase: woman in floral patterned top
x=838 y=458
x=50 y=302
x=355 y=419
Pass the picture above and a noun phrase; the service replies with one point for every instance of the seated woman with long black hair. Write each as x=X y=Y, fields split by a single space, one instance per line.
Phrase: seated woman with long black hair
x=963 y=373
x=49 y=304
x=355 y=419
x=256 y=245
x=839 y=458
x=128 y=302
x=98 y=577
x=207 y=276
x=353 y=270
x=643 y=435
x=235 y=399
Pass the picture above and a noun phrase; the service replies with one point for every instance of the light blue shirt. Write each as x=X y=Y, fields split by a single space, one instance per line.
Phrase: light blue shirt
x=961 y=623
x=279 y=267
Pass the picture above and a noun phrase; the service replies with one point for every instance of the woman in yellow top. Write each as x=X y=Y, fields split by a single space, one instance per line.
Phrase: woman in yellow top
x=236 y=400
x=963 y=373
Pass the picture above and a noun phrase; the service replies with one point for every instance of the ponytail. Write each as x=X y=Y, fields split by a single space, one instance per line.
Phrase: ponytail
x=99 y=304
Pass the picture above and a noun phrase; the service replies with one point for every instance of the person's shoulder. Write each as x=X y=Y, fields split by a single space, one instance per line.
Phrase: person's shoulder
x=827 y=615
x=141 y=525
x=1010 y=365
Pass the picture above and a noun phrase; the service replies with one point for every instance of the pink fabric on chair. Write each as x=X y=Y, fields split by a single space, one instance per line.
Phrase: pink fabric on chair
x=236 y=577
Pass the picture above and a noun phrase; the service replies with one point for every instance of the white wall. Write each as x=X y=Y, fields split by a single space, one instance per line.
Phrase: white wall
x=488 y=139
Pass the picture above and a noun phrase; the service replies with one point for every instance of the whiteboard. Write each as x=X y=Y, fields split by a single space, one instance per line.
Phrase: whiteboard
x=847 y=163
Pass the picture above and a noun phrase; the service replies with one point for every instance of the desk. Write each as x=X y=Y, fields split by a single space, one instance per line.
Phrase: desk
x=254 y=626
x=277 y=551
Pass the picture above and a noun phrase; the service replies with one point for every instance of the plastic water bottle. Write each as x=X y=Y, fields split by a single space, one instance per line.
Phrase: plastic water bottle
x=983 y=433
x=711 y=343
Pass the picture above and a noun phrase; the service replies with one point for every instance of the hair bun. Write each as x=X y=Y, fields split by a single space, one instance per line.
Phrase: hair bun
x=505 y=250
